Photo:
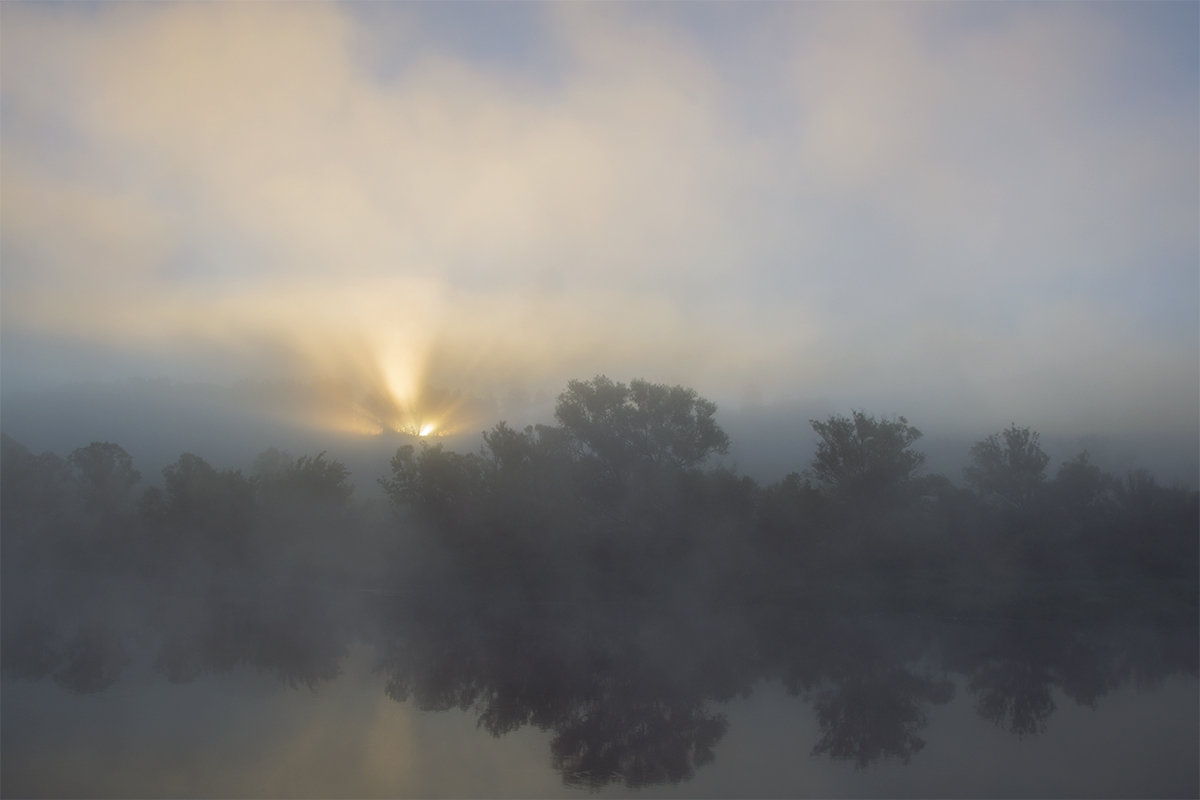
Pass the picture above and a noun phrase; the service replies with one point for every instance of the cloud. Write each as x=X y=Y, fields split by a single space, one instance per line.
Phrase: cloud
x=898 y=196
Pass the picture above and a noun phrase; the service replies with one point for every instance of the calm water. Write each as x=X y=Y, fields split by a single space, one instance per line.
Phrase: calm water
x=245 y=734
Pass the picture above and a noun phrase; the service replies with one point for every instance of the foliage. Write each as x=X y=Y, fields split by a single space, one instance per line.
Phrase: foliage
x=621 y=425
x=33 y=487
x=198 y=495
x=106 y=477
x=443 y=486
x=598 y=579
x=309 y=478
x=1008 y=468
x=862 y=458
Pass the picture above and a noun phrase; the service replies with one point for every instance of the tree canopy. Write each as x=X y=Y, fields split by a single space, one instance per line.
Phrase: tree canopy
x=861 y=456
x=1008 y=468
x=623 y=424
x=105 y=475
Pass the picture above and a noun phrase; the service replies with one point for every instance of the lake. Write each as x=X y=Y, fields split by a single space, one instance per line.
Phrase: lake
x=245 y=734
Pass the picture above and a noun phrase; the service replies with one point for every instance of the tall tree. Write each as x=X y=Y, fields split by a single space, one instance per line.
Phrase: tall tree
x=105 y=475
x=1008 y=469
x=622 y=425
x=861 y=457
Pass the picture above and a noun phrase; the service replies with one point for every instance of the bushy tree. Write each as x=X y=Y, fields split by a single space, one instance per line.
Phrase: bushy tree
x=1008 y=469
x=863 y=458
x=443 y=487
x=1080 y=484
x=34 y=488
x=531 y=479
x=197 y=497
x=622 y=425
x=105 y=475
x=308 y=479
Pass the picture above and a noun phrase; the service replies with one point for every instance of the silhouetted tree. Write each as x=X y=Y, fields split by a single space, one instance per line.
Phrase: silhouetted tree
x=35 y=489
x=441 y=485
x=621 y=425
x=1008 y=468
x=308 y=479
x=1154 y=537
x=1080 y=484
x=531 y=480
x=199 y=497
x=862 y=458
x=303 y=513
x=106 y=477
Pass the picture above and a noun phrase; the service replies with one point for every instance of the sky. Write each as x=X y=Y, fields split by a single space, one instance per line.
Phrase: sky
x=968 y=213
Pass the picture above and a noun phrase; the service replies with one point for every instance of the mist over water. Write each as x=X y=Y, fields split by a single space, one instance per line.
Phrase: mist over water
x=156 y=420
x=605 y=581
x=536 y=400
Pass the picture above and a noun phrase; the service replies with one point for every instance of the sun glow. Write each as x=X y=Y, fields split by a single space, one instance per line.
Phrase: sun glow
x=383 y=390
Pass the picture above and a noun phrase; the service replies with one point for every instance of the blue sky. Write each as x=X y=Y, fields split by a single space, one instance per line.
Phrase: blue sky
x=967 y=213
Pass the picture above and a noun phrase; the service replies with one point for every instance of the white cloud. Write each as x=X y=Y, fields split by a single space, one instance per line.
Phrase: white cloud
x=238 y=178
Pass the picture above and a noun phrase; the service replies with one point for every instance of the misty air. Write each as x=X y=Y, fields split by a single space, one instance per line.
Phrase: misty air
x=621 y=400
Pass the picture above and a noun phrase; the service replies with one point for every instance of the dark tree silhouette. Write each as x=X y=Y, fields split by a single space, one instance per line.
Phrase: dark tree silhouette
x=621 y=425
x=861 y=458
x=1008 y=468
x=201 y=498
x=308 y=479
x=35 y=488
x=441 y=485
x=106 y=477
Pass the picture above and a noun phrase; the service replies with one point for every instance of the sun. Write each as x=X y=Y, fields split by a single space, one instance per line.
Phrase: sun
x=426 y=429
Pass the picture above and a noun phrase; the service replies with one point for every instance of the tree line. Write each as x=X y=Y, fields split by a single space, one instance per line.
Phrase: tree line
x=600 y=577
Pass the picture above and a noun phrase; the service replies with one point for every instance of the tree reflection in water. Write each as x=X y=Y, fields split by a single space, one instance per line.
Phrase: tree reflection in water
x=594 y=579
x=875 y=715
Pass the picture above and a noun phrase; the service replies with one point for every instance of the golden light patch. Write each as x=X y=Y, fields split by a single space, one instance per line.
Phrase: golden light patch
x=354 y=425
x=423 y=413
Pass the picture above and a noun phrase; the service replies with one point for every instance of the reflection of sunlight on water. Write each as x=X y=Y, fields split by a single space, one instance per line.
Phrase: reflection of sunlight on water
x=244 y=734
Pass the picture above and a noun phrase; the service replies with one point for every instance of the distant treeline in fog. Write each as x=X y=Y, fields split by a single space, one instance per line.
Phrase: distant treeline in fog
x=597 y=577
